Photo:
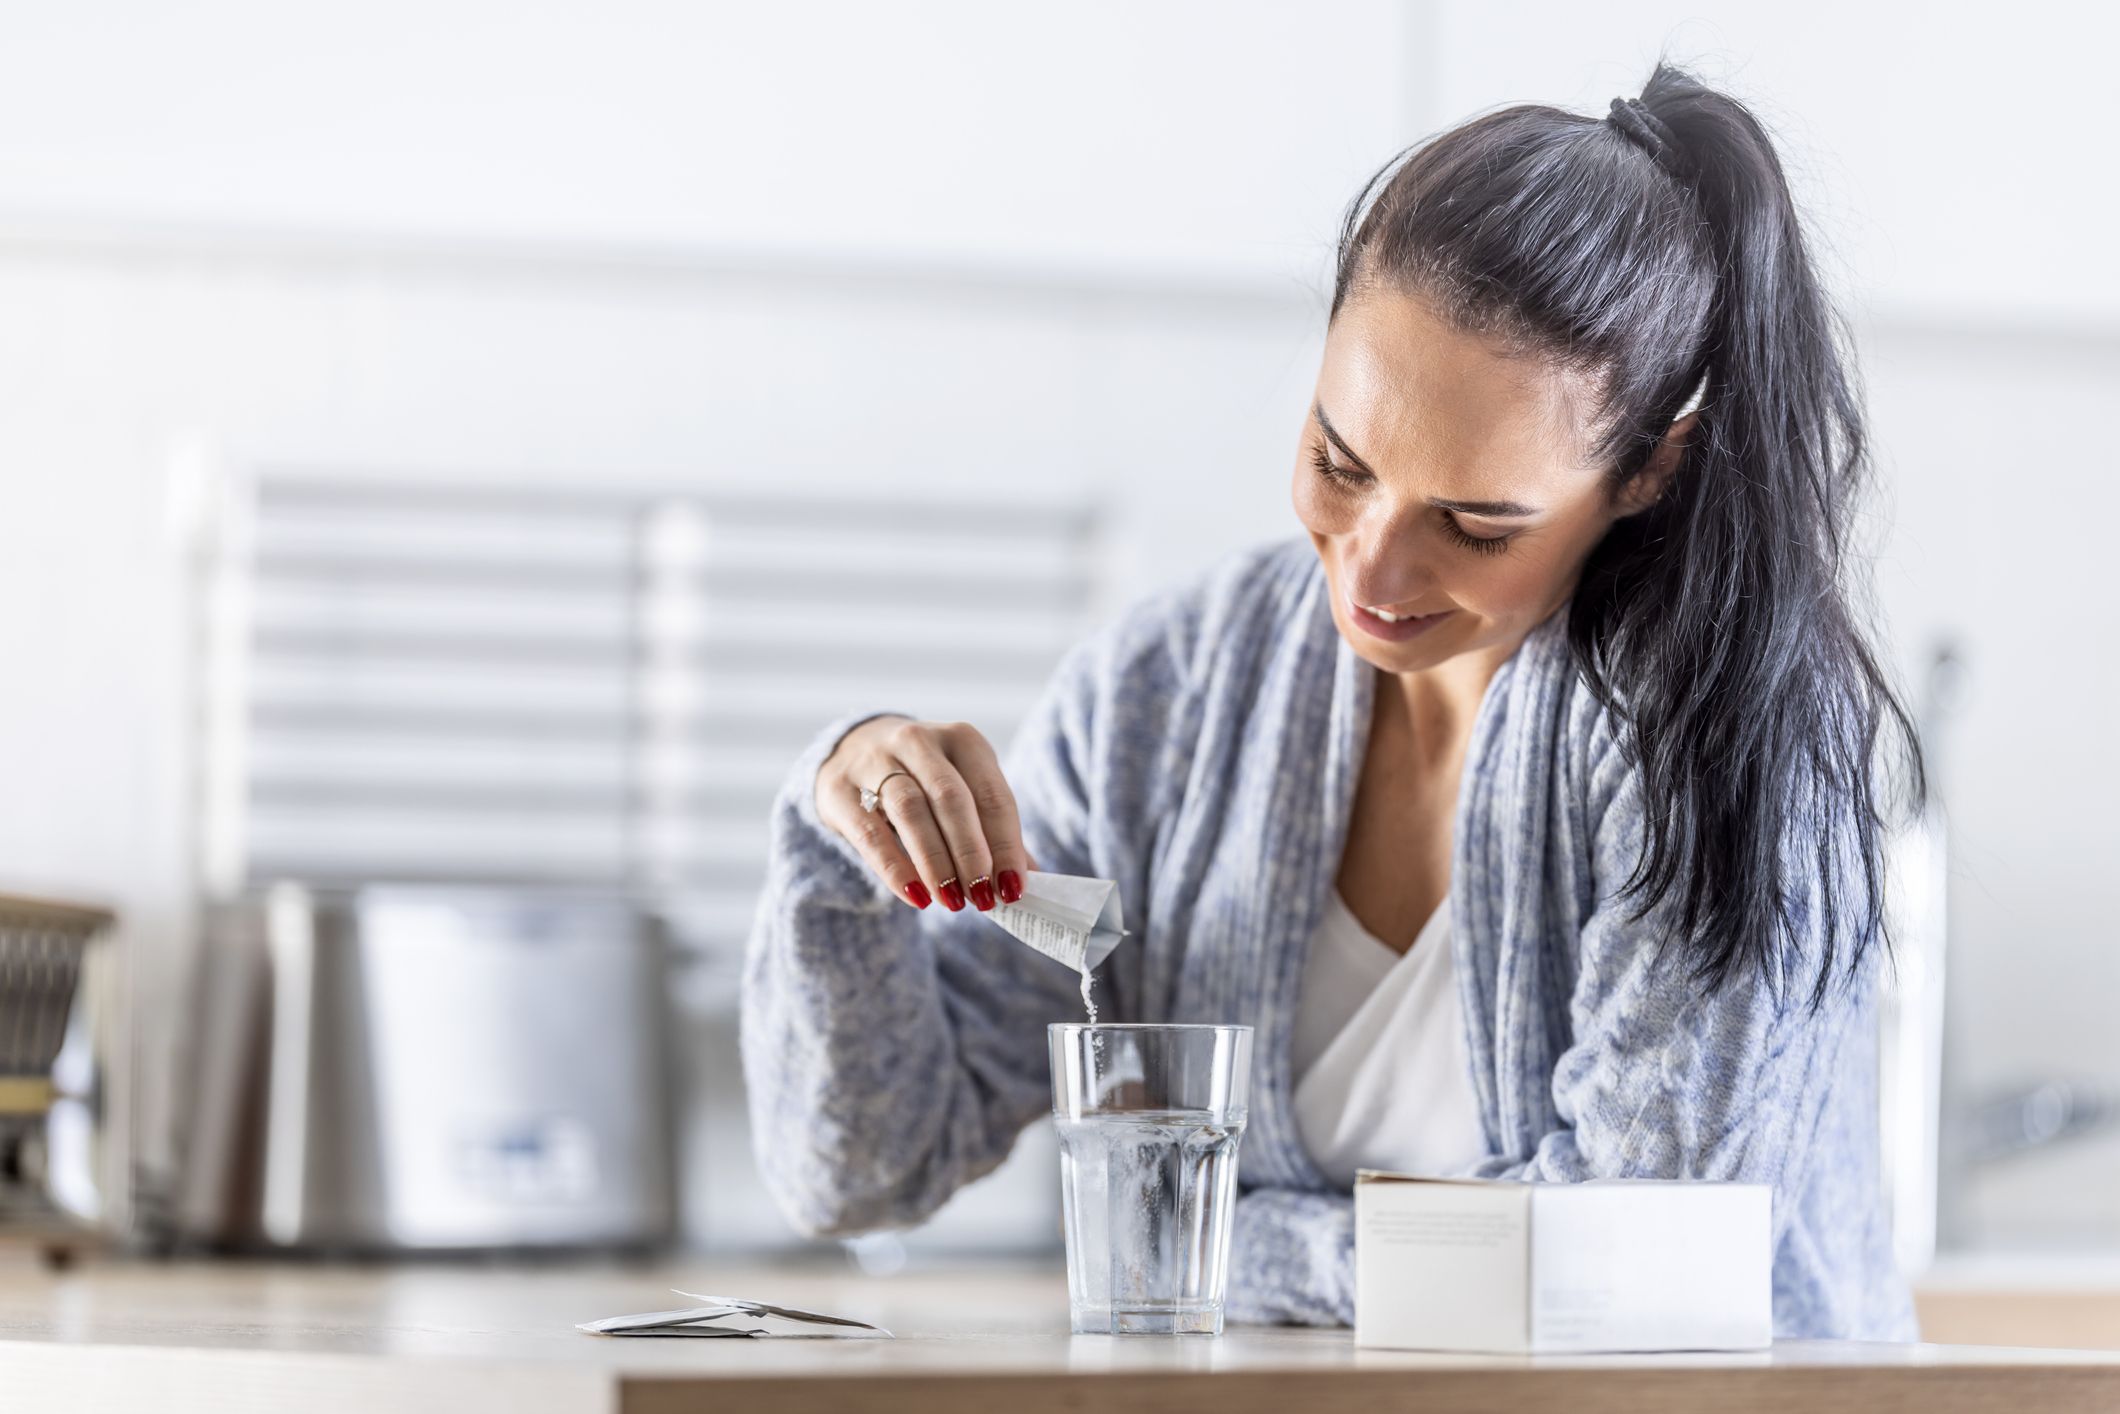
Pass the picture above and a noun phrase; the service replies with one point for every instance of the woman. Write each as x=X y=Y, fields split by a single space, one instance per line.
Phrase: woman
x=1525 y=807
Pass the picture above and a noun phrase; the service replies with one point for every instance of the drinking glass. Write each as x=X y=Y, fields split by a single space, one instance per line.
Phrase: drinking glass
x=1150 y=1117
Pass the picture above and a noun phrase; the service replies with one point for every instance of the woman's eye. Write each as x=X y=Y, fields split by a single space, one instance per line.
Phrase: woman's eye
x=1338 y=475
x=1478 y=544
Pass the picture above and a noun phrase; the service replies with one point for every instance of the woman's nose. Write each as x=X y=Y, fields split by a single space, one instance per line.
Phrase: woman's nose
x=1386 y=564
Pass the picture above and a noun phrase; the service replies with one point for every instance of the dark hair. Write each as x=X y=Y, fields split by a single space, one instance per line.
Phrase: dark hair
x=1716 y=624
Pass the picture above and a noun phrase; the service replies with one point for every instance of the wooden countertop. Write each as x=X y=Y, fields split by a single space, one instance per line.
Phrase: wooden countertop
x=2051 y=1298
x=406 y=1339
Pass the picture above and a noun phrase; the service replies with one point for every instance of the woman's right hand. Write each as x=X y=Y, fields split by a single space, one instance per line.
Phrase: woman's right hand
x=945 y=826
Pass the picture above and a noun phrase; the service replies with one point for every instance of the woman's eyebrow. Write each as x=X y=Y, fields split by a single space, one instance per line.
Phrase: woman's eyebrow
x=1469 y=508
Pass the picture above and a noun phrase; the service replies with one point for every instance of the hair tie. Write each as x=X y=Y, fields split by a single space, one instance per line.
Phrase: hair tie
x=1647 y=131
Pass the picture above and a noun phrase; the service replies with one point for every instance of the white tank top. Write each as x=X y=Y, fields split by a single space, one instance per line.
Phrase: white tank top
x=1382 y=1076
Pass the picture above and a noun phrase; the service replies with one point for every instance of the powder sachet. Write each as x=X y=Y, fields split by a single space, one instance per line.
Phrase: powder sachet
x=1073 y=920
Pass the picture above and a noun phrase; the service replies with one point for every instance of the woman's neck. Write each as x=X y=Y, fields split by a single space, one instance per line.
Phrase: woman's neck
x=1436 y=706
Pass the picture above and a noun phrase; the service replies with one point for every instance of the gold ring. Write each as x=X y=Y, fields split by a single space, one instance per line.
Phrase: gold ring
x=872 y=796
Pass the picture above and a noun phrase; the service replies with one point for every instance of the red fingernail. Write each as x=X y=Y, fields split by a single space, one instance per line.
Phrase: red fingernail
x=952 y=897
x=1011 y=885
x=917 y=892
x=982 y=894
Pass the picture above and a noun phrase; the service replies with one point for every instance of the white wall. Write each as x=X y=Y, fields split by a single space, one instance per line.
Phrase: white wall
x=1202 y=136
x=976 y=249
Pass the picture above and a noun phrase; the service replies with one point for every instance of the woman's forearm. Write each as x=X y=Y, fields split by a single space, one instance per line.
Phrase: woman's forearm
x=1291 y=1257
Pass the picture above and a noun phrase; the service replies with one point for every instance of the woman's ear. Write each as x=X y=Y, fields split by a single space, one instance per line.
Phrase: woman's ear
x=1647 y=488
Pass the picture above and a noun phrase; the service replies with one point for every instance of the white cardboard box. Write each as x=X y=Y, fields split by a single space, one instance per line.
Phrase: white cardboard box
x=1537 y=1268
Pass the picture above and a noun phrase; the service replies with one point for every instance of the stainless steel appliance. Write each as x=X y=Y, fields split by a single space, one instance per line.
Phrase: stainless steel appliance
x=43 y=946
x=426 y=1067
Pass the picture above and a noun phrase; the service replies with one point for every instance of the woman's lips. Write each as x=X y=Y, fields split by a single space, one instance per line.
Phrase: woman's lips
x=1397 y=631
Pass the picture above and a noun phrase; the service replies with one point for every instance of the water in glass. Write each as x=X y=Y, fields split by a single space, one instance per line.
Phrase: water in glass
x=1147 y=1198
